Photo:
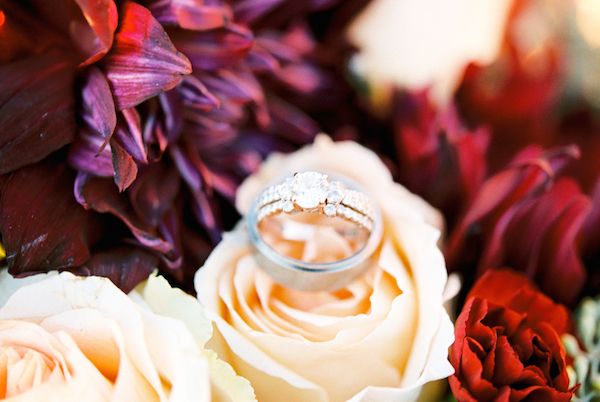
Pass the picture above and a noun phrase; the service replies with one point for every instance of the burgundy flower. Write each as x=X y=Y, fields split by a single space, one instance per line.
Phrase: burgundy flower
x=161 y=107
x=507 y=345
x=525 y=218
x=439 y=158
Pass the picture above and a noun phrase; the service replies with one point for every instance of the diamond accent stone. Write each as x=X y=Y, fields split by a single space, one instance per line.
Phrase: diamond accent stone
x=334 y=195
x=309 y=189
x=287 y=206
x=329 y=210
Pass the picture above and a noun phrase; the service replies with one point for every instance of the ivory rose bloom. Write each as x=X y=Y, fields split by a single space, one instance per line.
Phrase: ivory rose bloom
x=65 y=338
x=381 y=338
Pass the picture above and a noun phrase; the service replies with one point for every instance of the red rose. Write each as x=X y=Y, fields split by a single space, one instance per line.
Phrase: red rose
x=507 y=345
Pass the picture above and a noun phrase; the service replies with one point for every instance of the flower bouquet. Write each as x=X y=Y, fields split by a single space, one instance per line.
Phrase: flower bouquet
x=300 y=201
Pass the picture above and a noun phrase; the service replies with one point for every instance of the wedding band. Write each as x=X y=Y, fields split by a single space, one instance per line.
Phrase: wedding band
x=315 y=193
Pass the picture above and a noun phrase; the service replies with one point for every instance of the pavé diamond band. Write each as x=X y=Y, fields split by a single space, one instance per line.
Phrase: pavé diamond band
x=315 y=193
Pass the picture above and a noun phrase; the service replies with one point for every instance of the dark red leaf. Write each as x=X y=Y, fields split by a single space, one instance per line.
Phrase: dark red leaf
x=36 y=108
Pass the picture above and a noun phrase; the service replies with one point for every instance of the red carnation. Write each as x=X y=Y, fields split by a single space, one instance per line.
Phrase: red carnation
x=507 y=345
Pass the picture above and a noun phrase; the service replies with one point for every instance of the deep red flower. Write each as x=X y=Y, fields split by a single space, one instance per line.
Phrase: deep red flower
x=526 y=218
x=439 y=158
x=507 y=345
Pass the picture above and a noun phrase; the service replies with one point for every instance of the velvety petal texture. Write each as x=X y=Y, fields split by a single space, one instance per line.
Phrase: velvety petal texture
x=526 y=219
x=507 y=345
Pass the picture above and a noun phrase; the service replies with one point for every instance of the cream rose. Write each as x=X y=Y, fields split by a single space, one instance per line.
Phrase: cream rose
x=65 y=338
x=379 y=339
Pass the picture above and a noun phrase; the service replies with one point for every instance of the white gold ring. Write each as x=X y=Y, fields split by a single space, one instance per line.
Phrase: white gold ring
x=315 y=193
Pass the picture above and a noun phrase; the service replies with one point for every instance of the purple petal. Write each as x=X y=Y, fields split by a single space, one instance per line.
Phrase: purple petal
x=143 y=62
x=129 y=135
x=249 y=11
x=98 y=105
x=214 y=49
x=85 y=154
x=190 y=14
x=124 y=166
x=196 y=95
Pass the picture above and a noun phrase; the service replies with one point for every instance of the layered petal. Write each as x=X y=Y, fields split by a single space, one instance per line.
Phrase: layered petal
x=522 y=218
x=143 y=61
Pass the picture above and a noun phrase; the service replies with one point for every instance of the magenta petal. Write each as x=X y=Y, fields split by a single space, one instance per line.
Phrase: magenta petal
x=190 y=14
x=214 y=49
x=171 y=103
x=98 y=105
x=124 y=166
x=196 y=95
x=126 y=267
x=41 y=225
x=36 y=108
x=249 y=11
x=84 y=154
x=129 y=135
x=143 y=62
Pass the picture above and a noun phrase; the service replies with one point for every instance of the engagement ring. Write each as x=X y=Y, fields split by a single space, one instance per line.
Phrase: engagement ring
x=314 y=193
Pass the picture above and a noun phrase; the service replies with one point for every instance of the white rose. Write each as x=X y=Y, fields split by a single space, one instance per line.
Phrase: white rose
x=66 y=338
x=379 y=339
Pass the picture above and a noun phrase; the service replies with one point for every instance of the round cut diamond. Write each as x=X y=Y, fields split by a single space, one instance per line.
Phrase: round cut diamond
x=310 y=189
x=329 y=210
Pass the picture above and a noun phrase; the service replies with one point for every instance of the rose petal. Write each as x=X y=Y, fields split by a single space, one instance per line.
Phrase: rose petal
x=42 y=226
x=29 y=134
x=143 y=62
